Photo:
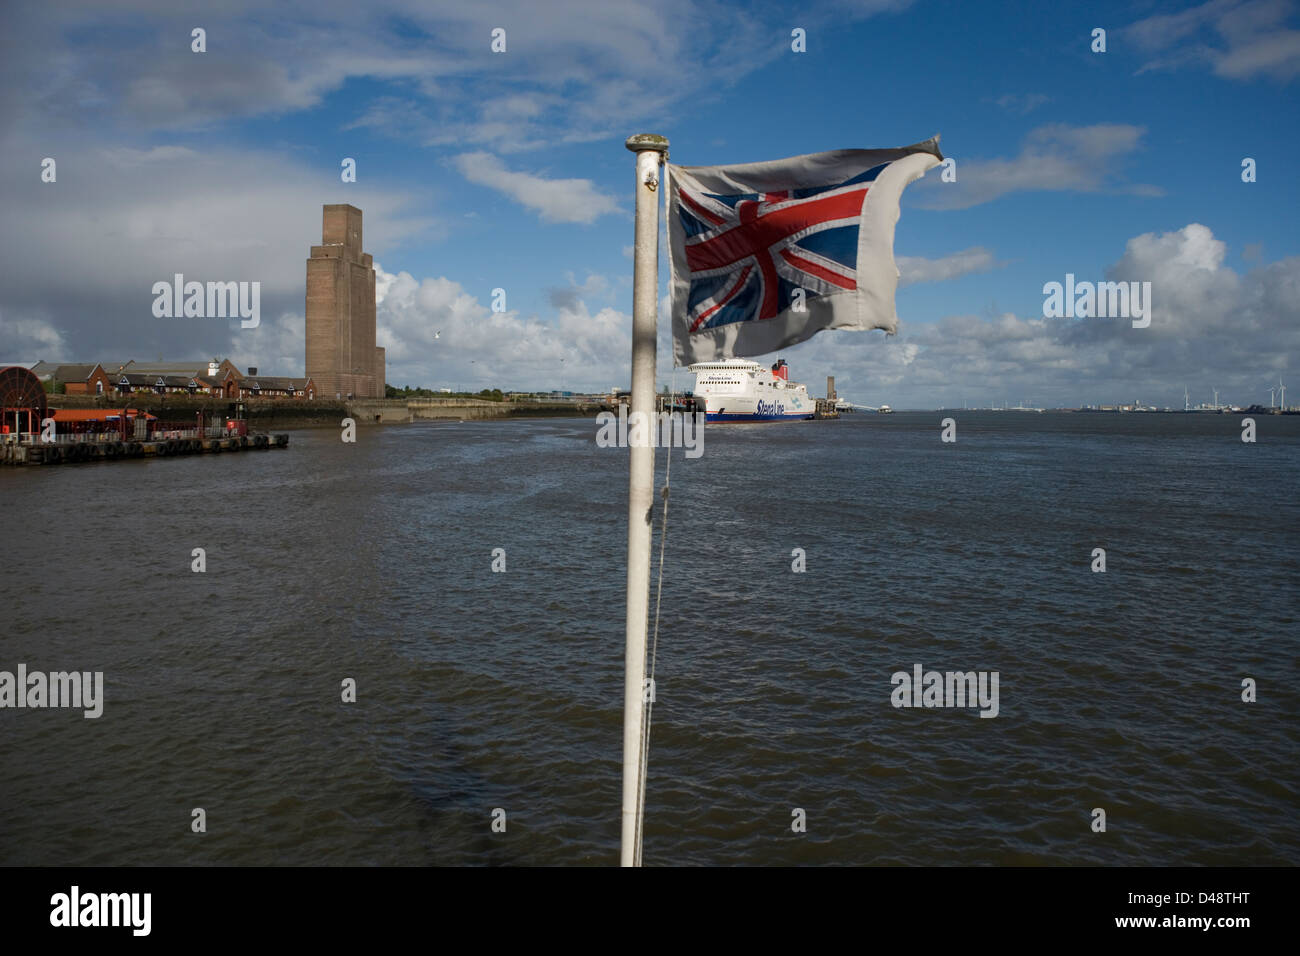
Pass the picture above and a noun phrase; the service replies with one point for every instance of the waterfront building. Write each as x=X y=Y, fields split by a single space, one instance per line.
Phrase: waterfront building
x=77 y=379
x=342 y=358
x=267 y=386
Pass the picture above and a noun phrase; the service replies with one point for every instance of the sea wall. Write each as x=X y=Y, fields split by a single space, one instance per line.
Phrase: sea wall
x=287 y=413
x=263 y=413
x=389 y=411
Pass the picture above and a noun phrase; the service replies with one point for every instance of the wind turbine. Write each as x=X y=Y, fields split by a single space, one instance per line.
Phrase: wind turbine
x=1271 y=392
x=1282 y=389
x=1187 y=402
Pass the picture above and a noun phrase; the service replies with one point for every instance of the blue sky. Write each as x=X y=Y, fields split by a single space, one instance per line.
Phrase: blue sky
x=479 y=170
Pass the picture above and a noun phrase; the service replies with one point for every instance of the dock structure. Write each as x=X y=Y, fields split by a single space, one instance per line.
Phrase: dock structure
x=827 y=407
x=32 y=433
x=74 y=450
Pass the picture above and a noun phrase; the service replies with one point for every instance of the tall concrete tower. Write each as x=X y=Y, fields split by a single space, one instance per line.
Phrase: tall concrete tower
x=342 y=357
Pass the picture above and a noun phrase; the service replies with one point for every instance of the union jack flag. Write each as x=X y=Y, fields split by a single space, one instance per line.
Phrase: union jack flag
x=768 y=254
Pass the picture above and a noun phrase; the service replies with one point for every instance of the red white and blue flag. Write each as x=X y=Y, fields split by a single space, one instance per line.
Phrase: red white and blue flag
x=765 y=255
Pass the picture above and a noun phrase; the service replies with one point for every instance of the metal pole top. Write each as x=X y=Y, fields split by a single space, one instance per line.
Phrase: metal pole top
x=644 y=141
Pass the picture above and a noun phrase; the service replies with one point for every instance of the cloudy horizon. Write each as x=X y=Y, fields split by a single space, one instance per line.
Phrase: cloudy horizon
x=479 y=171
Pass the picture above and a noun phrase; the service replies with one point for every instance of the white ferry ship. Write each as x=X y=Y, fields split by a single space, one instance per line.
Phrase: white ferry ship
x=738 y=390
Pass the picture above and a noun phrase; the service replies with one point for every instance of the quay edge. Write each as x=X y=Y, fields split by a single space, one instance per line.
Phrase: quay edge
x=58 y=453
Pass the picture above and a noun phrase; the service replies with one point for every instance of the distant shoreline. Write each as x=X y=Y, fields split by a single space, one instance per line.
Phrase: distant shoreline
x=301 y=413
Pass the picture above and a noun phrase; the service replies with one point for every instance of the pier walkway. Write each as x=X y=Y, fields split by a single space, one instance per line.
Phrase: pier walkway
x=74 y=449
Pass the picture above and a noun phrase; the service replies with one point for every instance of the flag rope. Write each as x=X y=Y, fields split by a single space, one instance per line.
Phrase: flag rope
x=654 y=641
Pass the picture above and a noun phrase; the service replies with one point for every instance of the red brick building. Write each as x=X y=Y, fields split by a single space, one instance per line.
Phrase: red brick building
x=74 y=379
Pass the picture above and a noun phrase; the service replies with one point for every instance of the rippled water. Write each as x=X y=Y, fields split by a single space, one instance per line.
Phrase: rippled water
x=480 y=690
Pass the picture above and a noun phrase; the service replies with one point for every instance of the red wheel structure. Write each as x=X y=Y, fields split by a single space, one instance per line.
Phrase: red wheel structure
x=22 y=400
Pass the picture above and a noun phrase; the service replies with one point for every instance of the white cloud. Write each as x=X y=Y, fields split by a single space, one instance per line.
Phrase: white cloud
x=1211 y=327
x=913 y=269
x=275 y=347
x=1022 y=104
x=126 y=157
x=119 y=219
x=1238 y=41
x=1054 y=157
x=479 y=347
x=31 y=340
x=568 y=297
x=556 y=200
x=574 y=70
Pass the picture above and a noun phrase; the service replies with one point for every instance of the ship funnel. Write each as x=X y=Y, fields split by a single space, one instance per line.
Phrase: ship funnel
x=781 y=370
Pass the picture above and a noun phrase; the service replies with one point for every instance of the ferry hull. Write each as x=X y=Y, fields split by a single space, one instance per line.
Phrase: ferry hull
x=719 y=417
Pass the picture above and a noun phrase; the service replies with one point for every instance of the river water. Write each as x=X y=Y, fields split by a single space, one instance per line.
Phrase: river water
x=479 y=690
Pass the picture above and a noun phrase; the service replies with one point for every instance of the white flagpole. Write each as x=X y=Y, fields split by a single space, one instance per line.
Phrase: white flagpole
x=651 y=150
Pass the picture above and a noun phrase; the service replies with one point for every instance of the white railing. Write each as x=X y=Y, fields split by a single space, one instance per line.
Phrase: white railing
x=161 y=434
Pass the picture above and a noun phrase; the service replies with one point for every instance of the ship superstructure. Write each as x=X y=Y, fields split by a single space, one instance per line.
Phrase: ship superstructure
x=739 y=390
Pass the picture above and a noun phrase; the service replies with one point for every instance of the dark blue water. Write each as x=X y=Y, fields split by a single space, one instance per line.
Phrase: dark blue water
x=481 y=690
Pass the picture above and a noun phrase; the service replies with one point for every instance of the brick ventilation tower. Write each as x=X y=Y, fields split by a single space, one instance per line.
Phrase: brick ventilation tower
x=341 y=355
